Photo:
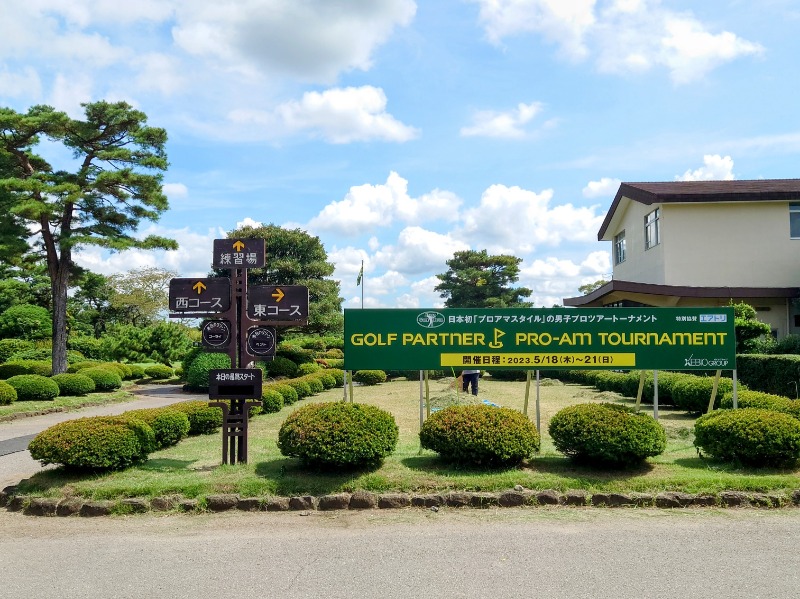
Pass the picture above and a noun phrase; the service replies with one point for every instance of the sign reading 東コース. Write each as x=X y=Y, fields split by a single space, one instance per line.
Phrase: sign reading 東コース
x=278 y=303
x=540 y=338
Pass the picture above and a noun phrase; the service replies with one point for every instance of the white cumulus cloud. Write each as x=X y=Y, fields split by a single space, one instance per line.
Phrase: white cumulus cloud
x=715 y=168
x=508 y=125
x=605 y=187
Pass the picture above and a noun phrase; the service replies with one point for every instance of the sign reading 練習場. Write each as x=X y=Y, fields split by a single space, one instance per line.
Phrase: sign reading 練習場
x=540 y=339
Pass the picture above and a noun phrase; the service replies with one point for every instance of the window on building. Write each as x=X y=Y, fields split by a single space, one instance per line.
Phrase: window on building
x=794 y=220
x=652 y=235
x=619 y=247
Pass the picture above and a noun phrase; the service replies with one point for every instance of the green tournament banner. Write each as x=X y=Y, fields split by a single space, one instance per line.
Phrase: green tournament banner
x=540 y=338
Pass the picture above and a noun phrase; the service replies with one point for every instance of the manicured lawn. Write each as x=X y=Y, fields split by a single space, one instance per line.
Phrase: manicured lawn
x=192 y=468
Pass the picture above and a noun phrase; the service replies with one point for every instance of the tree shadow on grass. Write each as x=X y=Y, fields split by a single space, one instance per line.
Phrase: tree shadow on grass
x=288 y=476
x=725 y=467
x=550 y=465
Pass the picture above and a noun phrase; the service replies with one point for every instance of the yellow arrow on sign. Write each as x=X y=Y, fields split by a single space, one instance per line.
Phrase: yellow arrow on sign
x=278 y=295
x=238 y=245
x=199 y=286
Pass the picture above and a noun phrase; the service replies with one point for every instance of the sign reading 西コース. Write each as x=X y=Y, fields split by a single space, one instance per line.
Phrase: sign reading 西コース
x=540 y=338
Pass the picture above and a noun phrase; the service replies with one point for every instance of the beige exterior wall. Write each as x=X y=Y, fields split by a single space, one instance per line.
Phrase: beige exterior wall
x=642 y=266
x=734 y=244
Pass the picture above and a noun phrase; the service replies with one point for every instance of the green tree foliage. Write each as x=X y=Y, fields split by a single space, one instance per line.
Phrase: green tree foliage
x=116 y=185
x=748 y=327
x=296 y=258
x=24 y=321
x=478 y=280
x=165 y=343
x=589 y=287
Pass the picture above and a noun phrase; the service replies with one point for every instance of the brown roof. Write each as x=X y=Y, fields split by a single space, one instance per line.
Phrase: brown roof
x=758 y=190
x=681 y=291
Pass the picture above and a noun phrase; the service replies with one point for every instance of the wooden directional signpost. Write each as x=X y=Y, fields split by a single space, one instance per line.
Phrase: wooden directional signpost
x=240 y=324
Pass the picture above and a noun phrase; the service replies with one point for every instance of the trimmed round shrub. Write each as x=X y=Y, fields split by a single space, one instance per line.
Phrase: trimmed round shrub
x=105 y=379
x=369 y=377
x=96 y=443
x=766 y=401
x=121 y=369
x=749 y=436
x=88 y=346
x=328 y=380
x=302 y=388
x=272 y=401
x=308 y=368
x=7 y=393
x=606 y=434
x=338 y=435
x=293 y=352
x=336 y=373
x=335 y=363
x=334 y=353
x=287 y=392
x=34 y=387
x=314 y=383
x=280 y=366
x=137 y=371
x=159 y=371
x=169 y=425
x=78 y=366
x=197 y=373
x=10 y=369
x=693 y=393
x=203 y=419
x=480 y=435
x=73 y=384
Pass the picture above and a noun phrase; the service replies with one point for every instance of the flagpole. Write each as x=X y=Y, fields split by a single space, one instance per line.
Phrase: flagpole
x=362 y=284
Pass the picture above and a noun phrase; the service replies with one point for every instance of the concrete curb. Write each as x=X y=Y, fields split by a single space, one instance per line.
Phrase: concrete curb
x=364 y=500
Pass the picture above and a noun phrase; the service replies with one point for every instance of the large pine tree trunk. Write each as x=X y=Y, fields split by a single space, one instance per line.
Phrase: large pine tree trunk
x=60 y=332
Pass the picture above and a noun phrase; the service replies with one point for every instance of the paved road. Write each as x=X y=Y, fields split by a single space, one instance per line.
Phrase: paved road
x=405 y=554
x=16 y=463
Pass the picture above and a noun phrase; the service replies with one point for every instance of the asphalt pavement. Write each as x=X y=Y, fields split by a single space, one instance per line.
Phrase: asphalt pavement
x=16 y=463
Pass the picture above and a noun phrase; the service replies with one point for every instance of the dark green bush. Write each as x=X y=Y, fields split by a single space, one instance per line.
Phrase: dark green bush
x=288 y=392
x=333 y=353
x=97 y=443
x=169 y=425
x=369 y=377
x=26 y=321
x=159 y=371
x=480 y=435
x=105 y=379
x=197 y=374
x=302 y=388
x=73 y=384
x=767 y=401
x=779 y=374
x=606 y=434
x=280 y=366
x=34 y=387
x=203 y=419
x=7 y=393
x=338 y=435
x=693 y=393
x=272 y=401
x=749 y=436
x=788 y=345
x=335 y=363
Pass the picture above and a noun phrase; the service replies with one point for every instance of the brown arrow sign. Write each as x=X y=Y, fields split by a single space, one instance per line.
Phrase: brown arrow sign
x=278 y=303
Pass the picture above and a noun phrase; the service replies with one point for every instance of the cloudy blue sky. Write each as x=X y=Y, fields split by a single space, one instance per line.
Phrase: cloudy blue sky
x=400 y=132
